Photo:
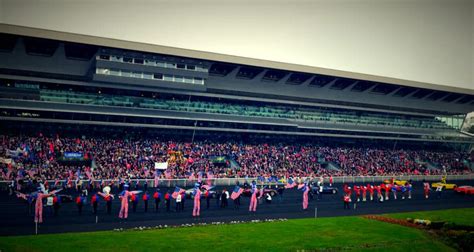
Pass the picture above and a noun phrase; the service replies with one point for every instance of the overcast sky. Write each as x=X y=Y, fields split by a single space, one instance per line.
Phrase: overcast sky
x=420 y=40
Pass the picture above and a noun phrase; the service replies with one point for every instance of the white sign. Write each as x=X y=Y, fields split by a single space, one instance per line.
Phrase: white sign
x=161 y=166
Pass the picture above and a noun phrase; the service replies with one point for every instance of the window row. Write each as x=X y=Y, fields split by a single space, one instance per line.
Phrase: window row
x=150 y=76
x=151 y=62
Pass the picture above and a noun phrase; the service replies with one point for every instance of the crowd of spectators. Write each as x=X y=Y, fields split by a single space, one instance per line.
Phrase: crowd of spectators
x=110 y=158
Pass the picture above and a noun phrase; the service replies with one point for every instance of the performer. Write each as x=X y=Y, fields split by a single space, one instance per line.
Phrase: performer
x=80 y=200
x=409 y=188
x=94 y=203
x=145 y=198
x=379 y=192
x=235 y=196
x=167 y=201
x=39 y=205
x=387 y=191
x=123 y=214
x=403 y=189
x=426 y=188
x=305 y=189
x=364 y=192
x=197 y=200
x=107 y=197
x=346 y=199
x=394 y=188
x=253 y=198
x=134 y=200
x=157 y=197
x=357 y=192
x=371 y=191
x=330 y=181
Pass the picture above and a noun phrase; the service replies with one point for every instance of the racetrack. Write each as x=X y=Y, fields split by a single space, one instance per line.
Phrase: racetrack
x=16 y=220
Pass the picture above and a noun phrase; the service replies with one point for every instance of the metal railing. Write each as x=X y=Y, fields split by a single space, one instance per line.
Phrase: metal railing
x=232 y=181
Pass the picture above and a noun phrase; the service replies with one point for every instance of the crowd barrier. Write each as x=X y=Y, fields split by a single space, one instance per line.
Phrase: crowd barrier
x=232 y=181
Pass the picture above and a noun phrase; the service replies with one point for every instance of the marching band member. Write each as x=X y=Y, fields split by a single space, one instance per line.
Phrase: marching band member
x=197 y=200
x=253 y=198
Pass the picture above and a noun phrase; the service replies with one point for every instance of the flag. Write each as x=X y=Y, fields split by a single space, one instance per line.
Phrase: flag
x=290 y=183
x=177 y=190
x=156 y=181
x=236 y=193
x=207 y=187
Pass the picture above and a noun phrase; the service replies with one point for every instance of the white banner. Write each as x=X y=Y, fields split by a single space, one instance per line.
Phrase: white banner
x=161 y=166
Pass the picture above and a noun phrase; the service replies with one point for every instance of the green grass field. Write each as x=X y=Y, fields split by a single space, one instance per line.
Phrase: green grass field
x=462 y=216
x=338 y=233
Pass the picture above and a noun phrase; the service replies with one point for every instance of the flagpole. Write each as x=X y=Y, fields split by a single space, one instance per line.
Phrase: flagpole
x=194 y=131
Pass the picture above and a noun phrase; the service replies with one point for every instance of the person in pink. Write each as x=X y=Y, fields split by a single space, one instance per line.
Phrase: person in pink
x=39 y=205
x=197 y=200
x=253 y=198
x=305 y=190
x=123 y=214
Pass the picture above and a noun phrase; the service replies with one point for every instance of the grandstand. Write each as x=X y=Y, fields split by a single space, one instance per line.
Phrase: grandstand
x=77 y=86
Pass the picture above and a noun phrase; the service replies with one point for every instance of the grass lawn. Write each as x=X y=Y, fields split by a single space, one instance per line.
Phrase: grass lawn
x=461 y=216
x=354 y=233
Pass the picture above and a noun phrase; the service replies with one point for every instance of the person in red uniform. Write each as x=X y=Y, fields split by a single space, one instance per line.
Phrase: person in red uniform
x=167 y=201
x=80 y=202
x=379 y=192
x=145 y=198
x=371 y=191
x=387 y=191
x=426 y=188
x=347 y=199
x=134 y=200
x=364 y=192
x=157 y=198
x=94 y=203
x=330 y=180
x=357 y=192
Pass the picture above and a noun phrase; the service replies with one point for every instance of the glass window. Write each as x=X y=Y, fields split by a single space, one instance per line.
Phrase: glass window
x=137 y=74
x=190 y=67
x=198 y=81
x=181 y=66
x=138 y=61
x=147 y=75
x=179 y=79
x=104 y=57
x=170 y=65
x=127 y=60
x=160 y=64
x=150 y=62
x=201 y=69
x=126 y=73
x=102 y=71
x=115 y=72
x=158 y=76
x=116 y=58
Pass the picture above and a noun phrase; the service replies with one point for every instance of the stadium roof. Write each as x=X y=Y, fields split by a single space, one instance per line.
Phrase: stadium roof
x=299 y=73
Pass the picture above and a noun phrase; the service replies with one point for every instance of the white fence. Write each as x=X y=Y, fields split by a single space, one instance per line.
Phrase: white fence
x=232 y=181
